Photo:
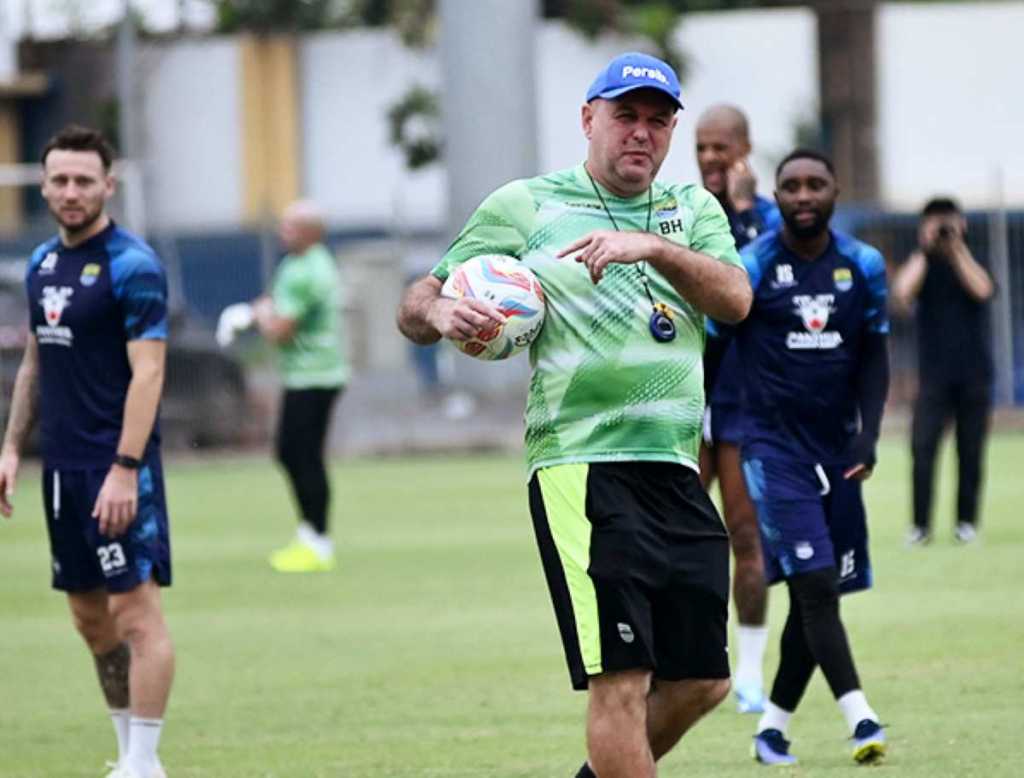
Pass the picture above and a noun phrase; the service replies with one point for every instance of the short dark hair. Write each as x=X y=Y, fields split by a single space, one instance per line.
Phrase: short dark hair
x=941 y=206
x=803 y=153
x=75 y=137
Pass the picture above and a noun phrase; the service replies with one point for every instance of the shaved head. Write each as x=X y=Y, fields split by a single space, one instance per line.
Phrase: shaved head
x=726 y=117
x=302 y=225
x=723 y=139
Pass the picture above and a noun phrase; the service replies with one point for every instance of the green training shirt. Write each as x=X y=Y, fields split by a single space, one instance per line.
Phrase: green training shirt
x=602 y=388
x=307 y=289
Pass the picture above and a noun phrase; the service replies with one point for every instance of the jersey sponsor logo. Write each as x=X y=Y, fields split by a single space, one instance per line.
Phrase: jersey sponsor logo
x=647 y=73
x=783 y=277
x=49 y=264
x=843 y=278
x=625 y=632
x=54 y=301
x=814 y=310
x=90 y=273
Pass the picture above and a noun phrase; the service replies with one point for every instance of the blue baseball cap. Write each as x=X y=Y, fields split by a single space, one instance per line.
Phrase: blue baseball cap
x=634 y=70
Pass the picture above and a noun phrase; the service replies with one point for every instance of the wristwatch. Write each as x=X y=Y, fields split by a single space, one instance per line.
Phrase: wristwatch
x=126 y=461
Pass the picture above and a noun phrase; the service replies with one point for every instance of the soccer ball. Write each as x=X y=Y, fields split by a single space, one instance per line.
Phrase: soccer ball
x=513 y=289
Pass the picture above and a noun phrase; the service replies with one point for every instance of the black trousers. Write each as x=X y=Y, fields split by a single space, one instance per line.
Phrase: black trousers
x=301 y=431
x=969 y=404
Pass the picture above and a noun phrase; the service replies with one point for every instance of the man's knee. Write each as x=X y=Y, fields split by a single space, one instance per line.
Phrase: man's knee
x=93 y=621
x=703 y=694
x=137 y=613
x=620 y=692
x=746 y=540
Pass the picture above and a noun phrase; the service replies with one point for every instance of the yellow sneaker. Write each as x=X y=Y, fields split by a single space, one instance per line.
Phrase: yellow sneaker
x=298 y=557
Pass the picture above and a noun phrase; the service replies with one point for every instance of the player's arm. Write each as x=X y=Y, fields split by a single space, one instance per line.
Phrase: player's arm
x=872 y=389
x=974 y=279
x=424 y=316
x=20 y=420
x=117 y=501
x=273 y=326
x=906 y=285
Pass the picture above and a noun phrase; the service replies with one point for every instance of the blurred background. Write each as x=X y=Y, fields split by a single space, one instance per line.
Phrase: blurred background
x=398 y=116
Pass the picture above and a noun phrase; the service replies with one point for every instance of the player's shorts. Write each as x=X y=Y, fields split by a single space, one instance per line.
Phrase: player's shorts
x=83 y=559
x=724 y=424
x=810 y=518
x=637 y=563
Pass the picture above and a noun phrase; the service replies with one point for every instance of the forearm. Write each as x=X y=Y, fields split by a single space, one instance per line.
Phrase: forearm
x=908 y=281
x=973 y=277
x=140 y=409
x=414 y=311
x=716 y=289
x=24 y=405
x=873 y=383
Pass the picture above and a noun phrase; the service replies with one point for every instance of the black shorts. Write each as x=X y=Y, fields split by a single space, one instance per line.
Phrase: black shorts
x=637 y=562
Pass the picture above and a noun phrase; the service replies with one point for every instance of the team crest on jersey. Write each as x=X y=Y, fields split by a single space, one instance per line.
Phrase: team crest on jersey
x=814 y=310
x=666 y=208
x=49 y=264
x=843 y=278
x=90 y=273
x=783 y=277
x=54 y=301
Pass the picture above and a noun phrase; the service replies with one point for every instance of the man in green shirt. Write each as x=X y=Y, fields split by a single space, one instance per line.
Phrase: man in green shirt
x=301 y=317
x=635 y=555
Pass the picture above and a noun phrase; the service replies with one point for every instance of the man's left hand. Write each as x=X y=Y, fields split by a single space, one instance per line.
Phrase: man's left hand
x=117 y=502
x=862 y=452
x=600 y=248
x=742 y=185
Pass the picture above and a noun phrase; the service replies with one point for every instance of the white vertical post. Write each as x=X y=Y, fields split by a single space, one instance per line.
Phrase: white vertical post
x=8 y=45
x=1002 y=305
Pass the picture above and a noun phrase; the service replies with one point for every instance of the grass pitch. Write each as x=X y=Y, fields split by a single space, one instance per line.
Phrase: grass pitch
x=432 y=649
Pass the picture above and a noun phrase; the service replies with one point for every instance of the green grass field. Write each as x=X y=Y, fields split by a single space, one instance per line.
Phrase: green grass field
x=432 y=649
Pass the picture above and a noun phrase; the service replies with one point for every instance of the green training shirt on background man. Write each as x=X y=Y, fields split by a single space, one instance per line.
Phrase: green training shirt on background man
x=603 y=389
x=307 y=289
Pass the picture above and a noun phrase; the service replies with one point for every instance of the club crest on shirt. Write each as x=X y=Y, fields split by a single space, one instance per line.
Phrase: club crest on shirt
x=666 y=207
x=54 y=301
x=814 y=310
x=89 y=274
x=843 y=278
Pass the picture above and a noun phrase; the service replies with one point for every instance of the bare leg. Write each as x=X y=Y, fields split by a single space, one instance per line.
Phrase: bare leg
x=90 y=613
x=617 y=744
x=675 y=706
x=706 y=461
x=140 y=623
x=749 y=590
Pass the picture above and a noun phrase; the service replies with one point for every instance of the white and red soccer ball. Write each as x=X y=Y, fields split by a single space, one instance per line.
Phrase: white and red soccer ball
x=513 y=289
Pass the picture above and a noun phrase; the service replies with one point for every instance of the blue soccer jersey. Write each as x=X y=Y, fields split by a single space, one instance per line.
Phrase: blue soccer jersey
x=727 y=392
x=85 y=304
x=800 y=346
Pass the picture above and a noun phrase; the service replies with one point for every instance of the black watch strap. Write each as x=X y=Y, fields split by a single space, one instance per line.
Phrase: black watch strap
x=126 y=461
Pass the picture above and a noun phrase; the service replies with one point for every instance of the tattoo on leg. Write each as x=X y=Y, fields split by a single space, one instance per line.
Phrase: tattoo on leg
x=112 y=669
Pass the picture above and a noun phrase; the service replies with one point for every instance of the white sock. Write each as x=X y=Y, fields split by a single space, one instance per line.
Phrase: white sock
x=774 y=717
x=321 y=544
x=122 y=718
x=855 y=708
x=142 y=745
x=752 y=642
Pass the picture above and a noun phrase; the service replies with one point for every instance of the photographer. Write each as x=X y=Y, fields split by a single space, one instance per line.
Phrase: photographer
x=951 y=289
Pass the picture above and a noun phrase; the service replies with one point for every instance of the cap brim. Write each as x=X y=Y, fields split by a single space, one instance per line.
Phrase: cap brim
x=611 y=94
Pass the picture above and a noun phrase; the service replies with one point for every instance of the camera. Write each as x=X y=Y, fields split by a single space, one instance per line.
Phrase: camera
x=946 y=232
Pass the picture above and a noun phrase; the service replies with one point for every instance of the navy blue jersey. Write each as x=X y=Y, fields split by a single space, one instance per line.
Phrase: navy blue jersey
x=800 y=346
x=85 y=304
x=764 y=216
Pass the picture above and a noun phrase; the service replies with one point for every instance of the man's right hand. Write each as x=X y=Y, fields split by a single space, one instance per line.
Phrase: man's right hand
x=742 y=185
x=463 y=318
x=9 y=461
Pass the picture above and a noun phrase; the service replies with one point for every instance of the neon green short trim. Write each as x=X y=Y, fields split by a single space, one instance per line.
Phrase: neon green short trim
x=564 y=490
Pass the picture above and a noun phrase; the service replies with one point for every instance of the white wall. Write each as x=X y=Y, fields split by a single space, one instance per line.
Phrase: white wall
x=349 y=165
x=191 y=128
x=950 y=110
x=952 y=102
